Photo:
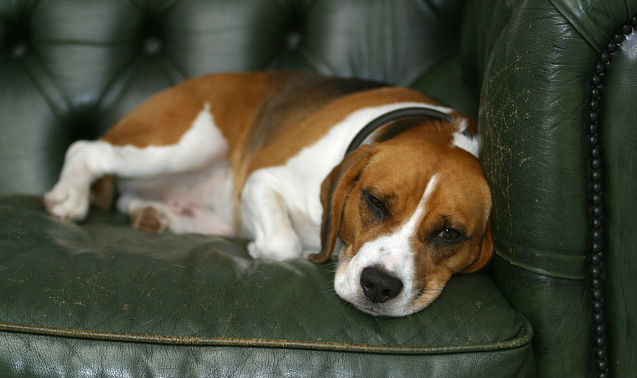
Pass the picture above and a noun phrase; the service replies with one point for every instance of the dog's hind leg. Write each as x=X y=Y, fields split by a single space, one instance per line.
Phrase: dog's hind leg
x=86 y=162
x=157 y=217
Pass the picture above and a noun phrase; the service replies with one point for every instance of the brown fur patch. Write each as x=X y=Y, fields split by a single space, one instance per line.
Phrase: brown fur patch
x=103 y=192
x=162 y=120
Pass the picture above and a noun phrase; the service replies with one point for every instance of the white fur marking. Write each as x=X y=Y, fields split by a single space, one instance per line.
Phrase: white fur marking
x=394 y=254
x=470 y=144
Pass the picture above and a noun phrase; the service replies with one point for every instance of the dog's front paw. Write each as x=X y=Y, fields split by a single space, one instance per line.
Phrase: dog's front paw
x=67 y=203
x=276 y=248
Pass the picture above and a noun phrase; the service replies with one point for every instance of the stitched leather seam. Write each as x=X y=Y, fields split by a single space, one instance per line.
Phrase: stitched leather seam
x=522 y=341
x=573 y=267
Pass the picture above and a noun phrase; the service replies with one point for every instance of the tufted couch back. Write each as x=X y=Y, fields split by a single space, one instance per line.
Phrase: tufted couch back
x=70 y=68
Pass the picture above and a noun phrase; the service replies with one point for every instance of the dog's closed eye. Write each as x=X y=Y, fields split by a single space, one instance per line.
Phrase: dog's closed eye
x=379 y=208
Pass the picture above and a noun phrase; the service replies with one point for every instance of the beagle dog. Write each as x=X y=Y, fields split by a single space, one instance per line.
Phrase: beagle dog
x=263 y=155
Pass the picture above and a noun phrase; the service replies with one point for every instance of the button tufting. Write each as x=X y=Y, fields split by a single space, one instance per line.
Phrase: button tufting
x=152 y=45
x=293 y=39
x=19 y=50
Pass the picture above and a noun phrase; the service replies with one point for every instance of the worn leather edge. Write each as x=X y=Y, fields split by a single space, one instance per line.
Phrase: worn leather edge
x=266 y=343
x=49 y=356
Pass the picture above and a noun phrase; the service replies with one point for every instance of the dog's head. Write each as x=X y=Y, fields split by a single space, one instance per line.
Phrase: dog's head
x=411 y=210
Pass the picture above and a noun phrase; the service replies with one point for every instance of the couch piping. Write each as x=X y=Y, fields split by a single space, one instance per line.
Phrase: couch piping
x=520 y=341
x=597 y=246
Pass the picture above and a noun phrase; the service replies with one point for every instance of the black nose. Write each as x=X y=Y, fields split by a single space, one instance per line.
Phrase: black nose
x=380 y=286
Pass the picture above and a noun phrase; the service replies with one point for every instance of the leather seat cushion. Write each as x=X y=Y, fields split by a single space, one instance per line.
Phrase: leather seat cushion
x=102 y=287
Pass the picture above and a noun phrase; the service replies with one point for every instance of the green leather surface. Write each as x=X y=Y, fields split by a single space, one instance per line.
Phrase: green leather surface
x=447 y=83
x=484 y=22
x=533 y=115
x=45 y=356
x=595 y=21
x=70 y=68
x=619 y=143
x=102 y=280
x=533 y=130
x=560 y=312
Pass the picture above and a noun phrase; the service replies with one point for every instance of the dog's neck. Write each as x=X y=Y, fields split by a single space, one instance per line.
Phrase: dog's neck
x=393 y=116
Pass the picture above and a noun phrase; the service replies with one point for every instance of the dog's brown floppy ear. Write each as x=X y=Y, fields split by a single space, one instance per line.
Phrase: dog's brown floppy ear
x=486 y=250
x=334 y=192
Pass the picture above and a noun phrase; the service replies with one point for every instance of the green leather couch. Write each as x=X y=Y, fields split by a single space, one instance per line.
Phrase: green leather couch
x=553 y=84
